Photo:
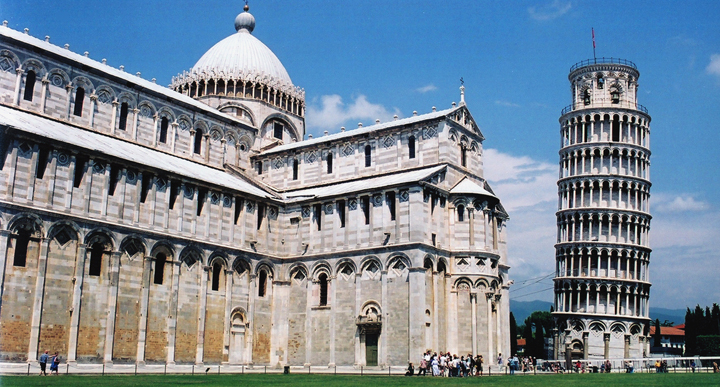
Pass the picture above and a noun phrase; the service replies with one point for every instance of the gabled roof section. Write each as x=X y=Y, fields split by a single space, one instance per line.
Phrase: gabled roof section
x=469 y=187
x=360 y=185
x=470 y=122
x=113 y=147
x=363 y=130
x=104 y=70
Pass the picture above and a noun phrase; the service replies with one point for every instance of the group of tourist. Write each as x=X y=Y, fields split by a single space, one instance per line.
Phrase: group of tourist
x=54 y=361
x=446 y=364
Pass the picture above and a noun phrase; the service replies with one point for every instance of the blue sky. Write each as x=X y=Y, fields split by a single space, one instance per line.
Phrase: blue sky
x=363 y=60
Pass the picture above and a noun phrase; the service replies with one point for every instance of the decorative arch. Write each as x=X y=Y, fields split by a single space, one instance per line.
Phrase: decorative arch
x=184 y=122
x=398 y=265
x=463 y=283
x=216 y=133
x=105 y=94
x=218 y=257
x=128 y=98
x=482 y=284
x=166 y=112
x=67 y=227
x=100 y=235
x=191 y=254
x=320 y=267
x=345 y=267
x=370 y=309
x=429 y=262
x=265 y=264
x=147 y=109
x=84 y=82
x=27 y=221
x=243 y=113
x=133 y=245
x=442 y=265
x=244 y=143
x=58 y=77
x=9 y=61
x=241 y=265
x=294 y=133
x=298 y=271
x=34 y=65
x=371 y=264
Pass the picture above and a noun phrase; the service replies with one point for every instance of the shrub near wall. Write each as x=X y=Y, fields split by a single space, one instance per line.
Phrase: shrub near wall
x=708 y=345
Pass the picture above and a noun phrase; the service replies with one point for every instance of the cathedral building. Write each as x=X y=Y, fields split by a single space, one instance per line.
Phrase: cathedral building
x=602 y=283
x=200 y=224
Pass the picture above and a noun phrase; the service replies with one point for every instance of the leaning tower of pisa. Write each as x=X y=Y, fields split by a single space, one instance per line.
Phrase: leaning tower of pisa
x=602 y=254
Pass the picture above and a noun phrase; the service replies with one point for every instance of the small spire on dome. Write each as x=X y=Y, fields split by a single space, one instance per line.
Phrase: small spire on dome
x=245 y=20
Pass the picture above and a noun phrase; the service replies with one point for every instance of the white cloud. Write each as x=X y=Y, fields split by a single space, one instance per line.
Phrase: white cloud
x=425 y=89
x=520 y=181
x=506 y=103
x=669 y=203
x=527 y=188
x=333 y=112
x=549 y=11
x=684 y=263
x=714 y=67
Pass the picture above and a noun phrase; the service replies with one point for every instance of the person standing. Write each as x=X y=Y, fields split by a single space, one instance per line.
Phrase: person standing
x=499 y=362
x=43 y=363
x=55 y=364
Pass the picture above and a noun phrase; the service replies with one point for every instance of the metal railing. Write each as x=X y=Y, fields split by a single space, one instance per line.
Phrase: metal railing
x=602 y=60
x=697 y=364
x=621 y=104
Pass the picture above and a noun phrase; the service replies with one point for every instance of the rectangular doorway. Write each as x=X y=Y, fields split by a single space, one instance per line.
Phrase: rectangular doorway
x=371 y=349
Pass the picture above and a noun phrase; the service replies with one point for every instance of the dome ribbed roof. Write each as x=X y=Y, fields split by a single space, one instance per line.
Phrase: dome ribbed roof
x=242 y=52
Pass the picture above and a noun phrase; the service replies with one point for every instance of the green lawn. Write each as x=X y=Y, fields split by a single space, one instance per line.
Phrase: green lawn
x=584 y=380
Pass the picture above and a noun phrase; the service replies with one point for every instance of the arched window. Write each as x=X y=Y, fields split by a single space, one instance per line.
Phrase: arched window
x=216 y=272
x=365 y=204
x=323 y=289
x=260 y=215
x=329 y=163
x=96 y=255
x=615 y=96
x=600 y=81
x=197 y=143
x=278 y=130
x=163 y=129
x=79 y=98
x=262 y=283
x=586 y=97
x=159 y=268
x=21 y=247
x=411 y=147
x=461 y=213
x=463 y=156
x=123 y=115
x=29 y=86
x=368 y=156
x=296 y=167
x=616 y=128
x=259 y=167
x=390 y=197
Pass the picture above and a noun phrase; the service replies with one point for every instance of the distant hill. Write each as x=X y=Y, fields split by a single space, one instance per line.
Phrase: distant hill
x=522 y=310
x=676 y=316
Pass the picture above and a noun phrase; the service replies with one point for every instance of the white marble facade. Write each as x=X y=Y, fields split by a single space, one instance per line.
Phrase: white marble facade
x=602 y=282
x=199 y=224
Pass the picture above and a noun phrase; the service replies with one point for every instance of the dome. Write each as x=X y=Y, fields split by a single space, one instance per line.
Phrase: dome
x=241 y=52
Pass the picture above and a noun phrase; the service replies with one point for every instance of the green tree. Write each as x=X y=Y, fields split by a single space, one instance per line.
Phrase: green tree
x=657 y=336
